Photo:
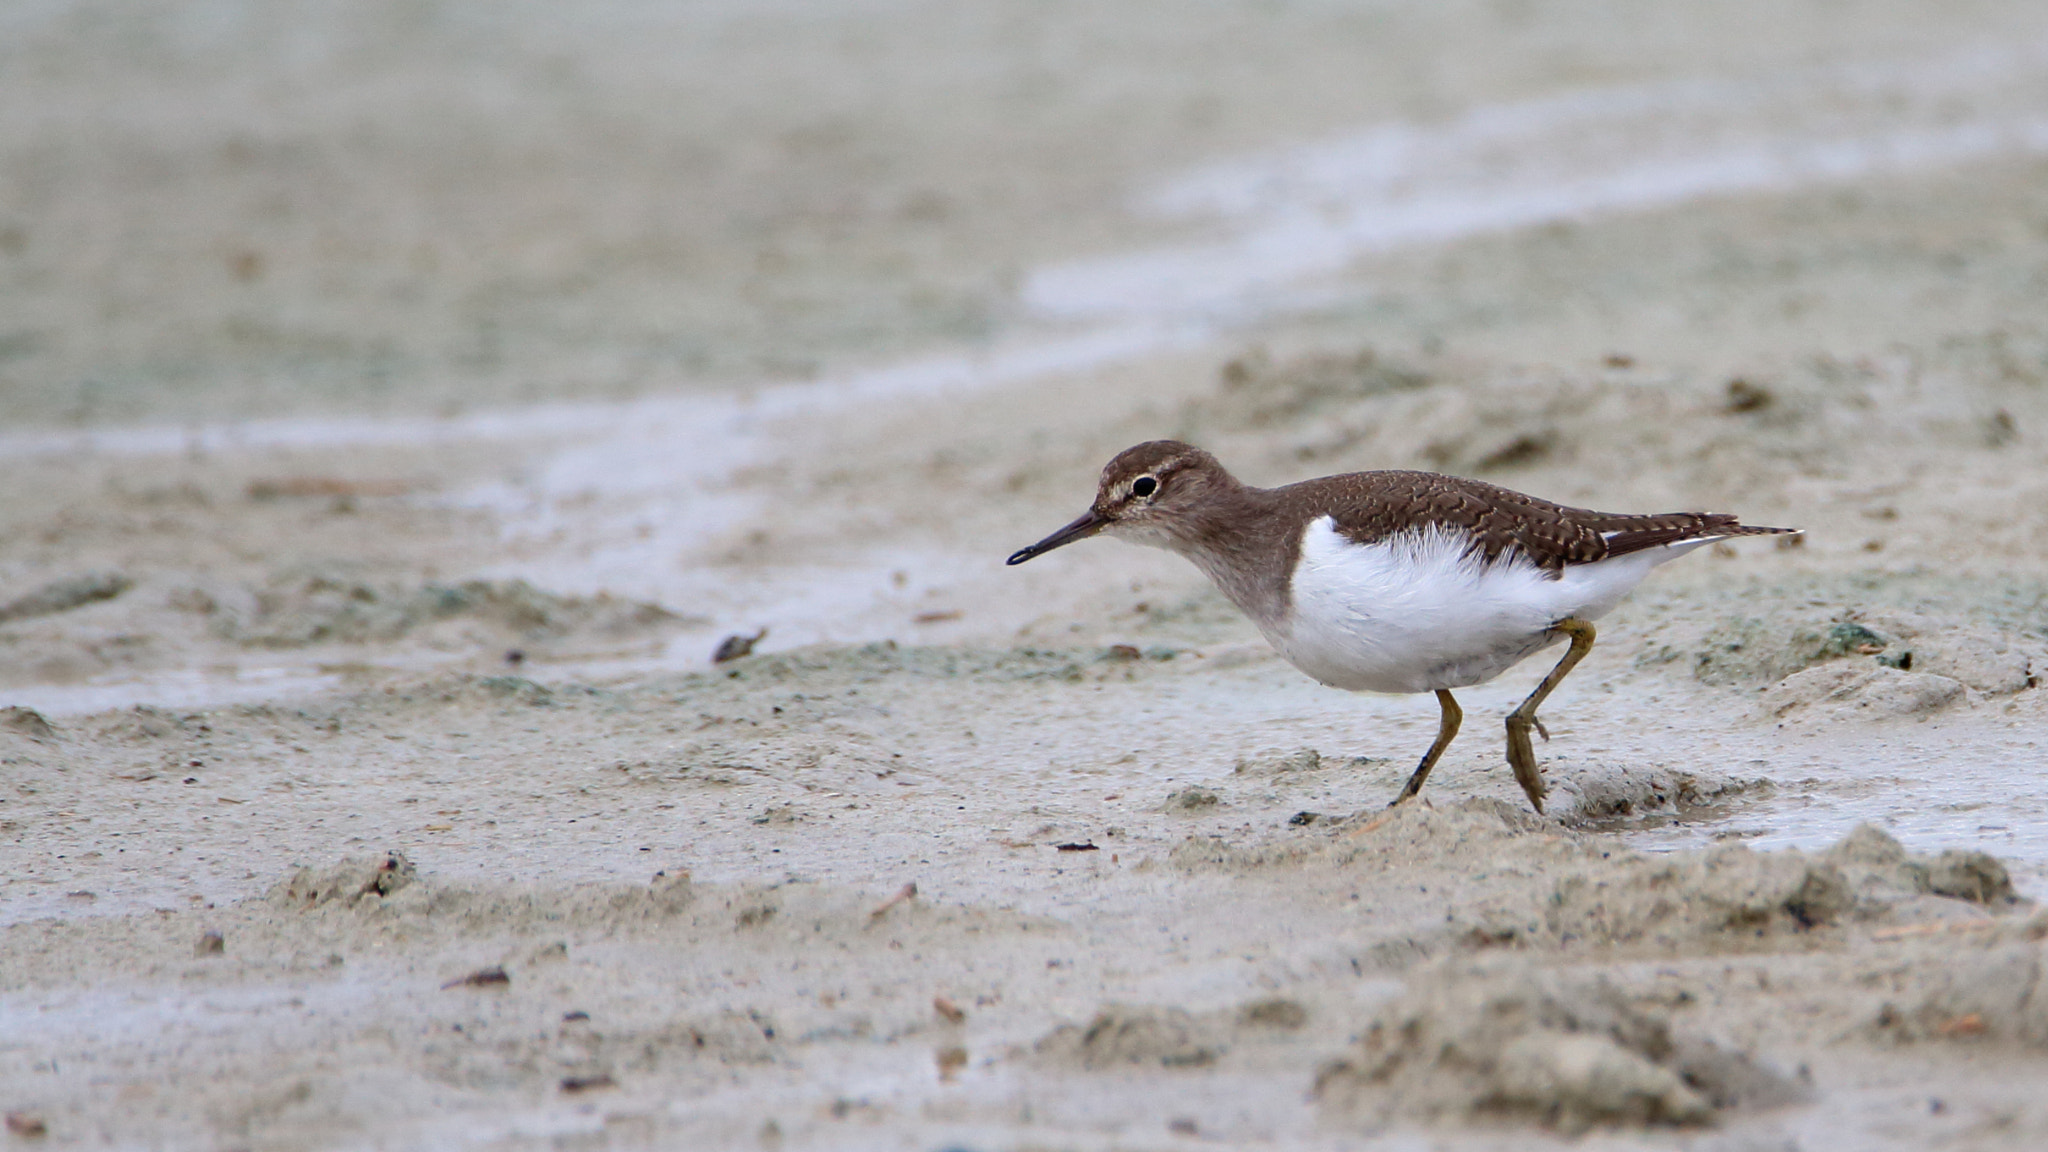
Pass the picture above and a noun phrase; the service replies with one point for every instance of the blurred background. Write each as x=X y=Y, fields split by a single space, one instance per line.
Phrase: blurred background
x=795 y=315
x=216 y=209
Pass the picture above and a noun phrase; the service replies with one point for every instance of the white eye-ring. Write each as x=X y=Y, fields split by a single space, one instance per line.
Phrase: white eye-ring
x=1144 y=486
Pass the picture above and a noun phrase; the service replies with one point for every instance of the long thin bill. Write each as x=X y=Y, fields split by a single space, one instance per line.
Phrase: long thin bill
x=1088 y=525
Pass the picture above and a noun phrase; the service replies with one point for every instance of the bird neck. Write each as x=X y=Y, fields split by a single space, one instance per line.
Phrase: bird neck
x=1245 y=550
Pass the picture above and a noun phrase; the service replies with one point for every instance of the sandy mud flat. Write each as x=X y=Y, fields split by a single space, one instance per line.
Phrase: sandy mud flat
x=381 y=482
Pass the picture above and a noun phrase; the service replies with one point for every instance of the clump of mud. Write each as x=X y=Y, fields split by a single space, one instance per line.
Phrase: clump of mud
x=1863 y=689
x=323 y=606
x=1901 y=665
x=1273 y=762
x=848 y=764
x=1728 y=892
x=1215 y=854
x=1256 y=391
x=1750 y=650
x=1192 y=800
x=25 y=721
x=1147 y=1036
x=66 y=594
x=581 y=1054
x=887 y=658
x=1994 y=989
x=1476 y=1042
x=1582 y=893
x=388 y=887
x=348 y=882
x=1424 y=835
x=1612 y=795
x=1908 y=648
x=1737 y=896
x=1123 y=1034
x=1880 y=869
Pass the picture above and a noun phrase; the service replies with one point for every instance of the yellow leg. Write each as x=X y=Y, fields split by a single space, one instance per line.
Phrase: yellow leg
x=1447 y=730
x=1522 y=754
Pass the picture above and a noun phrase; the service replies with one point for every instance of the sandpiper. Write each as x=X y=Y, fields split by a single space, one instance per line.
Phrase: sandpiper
x=1396 y=581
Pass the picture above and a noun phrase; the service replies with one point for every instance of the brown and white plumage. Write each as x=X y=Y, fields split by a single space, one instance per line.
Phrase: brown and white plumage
x=1393 y=581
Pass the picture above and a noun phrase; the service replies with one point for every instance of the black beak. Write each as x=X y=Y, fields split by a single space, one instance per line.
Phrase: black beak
x=1088 y=525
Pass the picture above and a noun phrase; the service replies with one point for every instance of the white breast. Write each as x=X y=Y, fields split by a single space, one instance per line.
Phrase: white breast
x=1419 y=611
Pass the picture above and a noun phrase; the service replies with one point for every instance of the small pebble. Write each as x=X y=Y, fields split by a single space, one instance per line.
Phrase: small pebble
x=481 y=978
x=1745 y=396
x=735 y=646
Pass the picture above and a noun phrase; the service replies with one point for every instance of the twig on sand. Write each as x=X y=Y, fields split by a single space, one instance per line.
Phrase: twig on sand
x=481 y=978
x=906 y=893
x=1902 y=931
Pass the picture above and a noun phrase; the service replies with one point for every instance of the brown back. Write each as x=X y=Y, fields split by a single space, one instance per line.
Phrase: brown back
x=1370 y=506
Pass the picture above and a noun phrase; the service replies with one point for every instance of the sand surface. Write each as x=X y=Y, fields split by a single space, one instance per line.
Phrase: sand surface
x=404 y=402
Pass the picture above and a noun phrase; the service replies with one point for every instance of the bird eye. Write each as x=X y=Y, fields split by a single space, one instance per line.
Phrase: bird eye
x=1144 y=486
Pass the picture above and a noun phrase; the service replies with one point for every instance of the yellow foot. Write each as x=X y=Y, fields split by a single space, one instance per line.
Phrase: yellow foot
x=1522 y=758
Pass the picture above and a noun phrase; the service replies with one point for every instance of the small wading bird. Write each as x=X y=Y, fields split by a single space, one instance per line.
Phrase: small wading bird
x=1396 y=581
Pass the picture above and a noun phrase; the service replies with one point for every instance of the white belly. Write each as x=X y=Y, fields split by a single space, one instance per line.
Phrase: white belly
x=1418 y=612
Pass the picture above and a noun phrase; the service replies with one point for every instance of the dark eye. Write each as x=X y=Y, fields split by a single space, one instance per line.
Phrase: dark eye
x=1144 y=486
